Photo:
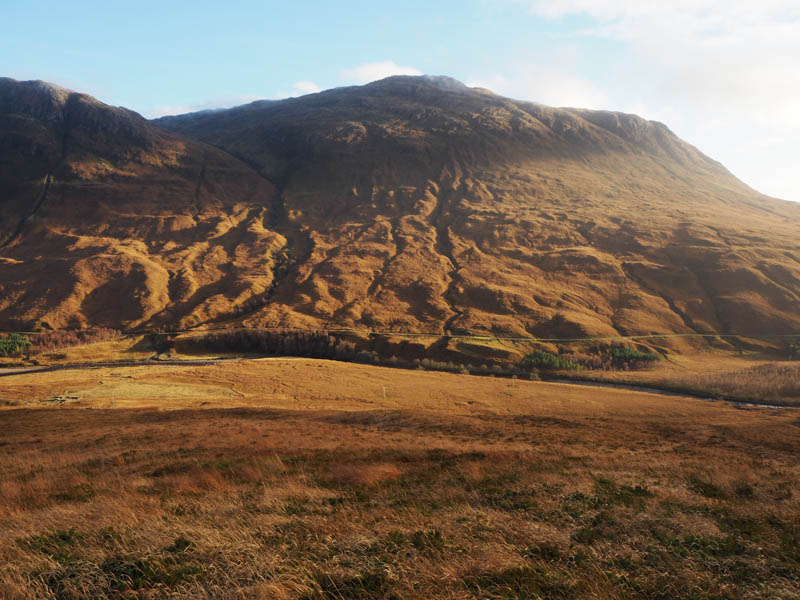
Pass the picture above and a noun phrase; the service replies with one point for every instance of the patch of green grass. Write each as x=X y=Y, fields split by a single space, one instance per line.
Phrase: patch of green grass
x=716 y=546
x=626 y=355
x=336 y=501
x=368 y=585
x=172 y=565
x=576 y=504
x=427 y=540
x=520 y=583
x=512 y=501
x=744 y=490
x=297 y=506
x=110 y=535
x=544 y=551
x=610 y=493
x=548 y=361
x=82 y=492
x=603 y=526
x=173 y=468
x=116 y=575
x=705 y=488
x=14 y=344
x=60 y=545
x=137 y=573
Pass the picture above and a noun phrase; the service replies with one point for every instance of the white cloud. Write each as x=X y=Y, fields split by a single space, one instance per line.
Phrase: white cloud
x=367 y=72
x=164 y=110
x=546 y=85
x=726 y=73
x=301 y=88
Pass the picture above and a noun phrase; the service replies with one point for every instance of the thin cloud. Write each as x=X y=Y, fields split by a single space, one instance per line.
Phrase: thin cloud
x=726 y=71
x=217 y=103
x=545 y=85
x=301 y=88
x=373 y=71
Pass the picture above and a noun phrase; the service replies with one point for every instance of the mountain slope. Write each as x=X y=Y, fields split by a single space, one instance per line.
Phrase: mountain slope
x=412 y=203
x=419 y=203
x=108 y=220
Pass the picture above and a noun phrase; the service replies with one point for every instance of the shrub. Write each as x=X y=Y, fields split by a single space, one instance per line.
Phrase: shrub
x=547 y=361
x=50 y=341
x=161 y=343
x=621 y=354
x=614 y=358
x=14 y=344
x=435 y=365
x=777 y=383
x=306 y=344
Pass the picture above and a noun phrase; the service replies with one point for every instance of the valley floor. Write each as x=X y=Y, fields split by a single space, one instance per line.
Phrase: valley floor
x=296 y=478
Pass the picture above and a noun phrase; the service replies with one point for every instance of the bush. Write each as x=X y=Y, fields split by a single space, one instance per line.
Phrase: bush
x=435 y=365
x=161 y=343
x=14 y=344
x=547 y=361
x=306 y=344
x=613 y=358
x=629 y=355
x=50 y=341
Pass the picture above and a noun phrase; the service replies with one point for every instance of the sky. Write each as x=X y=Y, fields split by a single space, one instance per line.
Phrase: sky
x=722 y=74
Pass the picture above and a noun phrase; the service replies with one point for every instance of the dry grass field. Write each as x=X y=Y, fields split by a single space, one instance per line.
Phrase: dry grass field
x=749 y=377
x=295 y=478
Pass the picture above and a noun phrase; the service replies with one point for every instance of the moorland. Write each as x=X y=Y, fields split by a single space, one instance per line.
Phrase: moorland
x=302 y=478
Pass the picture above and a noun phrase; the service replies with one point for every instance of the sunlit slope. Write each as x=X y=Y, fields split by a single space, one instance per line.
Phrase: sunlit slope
x=108 y=220
x=419 y=203
x=412 y=203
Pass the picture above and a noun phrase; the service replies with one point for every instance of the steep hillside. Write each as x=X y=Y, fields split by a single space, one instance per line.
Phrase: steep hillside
x=418 y=203
x=412 y=203
x=108 y=220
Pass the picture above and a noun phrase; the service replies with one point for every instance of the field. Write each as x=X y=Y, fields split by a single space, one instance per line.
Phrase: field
x=752 y=377
x=295 y=478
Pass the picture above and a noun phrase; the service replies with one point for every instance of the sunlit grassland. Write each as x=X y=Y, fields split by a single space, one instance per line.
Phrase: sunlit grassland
x=598 y=496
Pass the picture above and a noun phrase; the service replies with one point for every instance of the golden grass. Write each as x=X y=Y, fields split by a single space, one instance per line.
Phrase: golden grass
x=743 y=378
x=452 y=487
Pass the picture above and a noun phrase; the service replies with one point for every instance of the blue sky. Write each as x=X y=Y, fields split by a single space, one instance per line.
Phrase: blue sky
x=722 y=74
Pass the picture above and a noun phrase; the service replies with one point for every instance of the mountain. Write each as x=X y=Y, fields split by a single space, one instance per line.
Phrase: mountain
x=411 y=203
x=106 y=219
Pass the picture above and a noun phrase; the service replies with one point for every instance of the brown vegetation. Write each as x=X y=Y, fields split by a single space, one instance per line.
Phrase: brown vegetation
x=410 y=204
x=50 y=341
x=769 y=382
x=330 y=480
x=751 y=378
x=777 y=383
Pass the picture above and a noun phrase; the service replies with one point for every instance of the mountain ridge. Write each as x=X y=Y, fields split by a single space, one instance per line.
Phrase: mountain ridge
x=419 y=204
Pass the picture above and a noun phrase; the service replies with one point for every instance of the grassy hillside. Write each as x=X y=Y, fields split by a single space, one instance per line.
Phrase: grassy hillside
x=420 y=204
x=409 y=204
x=107 y=220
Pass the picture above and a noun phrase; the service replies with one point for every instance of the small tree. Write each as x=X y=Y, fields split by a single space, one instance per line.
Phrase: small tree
x=14 y=344
x=547 y=361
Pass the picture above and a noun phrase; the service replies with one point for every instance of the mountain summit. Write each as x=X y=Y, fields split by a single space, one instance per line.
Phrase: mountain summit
x=411 y=203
